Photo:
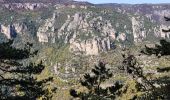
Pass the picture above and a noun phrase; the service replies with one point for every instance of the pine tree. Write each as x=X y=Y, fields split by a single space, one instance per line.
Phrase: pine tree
x=92 y=81
x=18 y=79
x=161 y=93
x=132 y=68
x=159 y=50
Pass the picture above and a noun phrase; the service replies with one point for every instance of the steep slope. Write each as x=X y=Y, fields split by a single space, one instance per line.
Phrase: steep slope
x=71 y=36
x=86 y=28
x=155 y=12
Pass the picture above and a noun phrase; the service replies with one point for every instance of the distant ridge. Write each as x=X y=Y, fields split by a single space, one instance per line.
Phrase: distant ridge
x=35 y=1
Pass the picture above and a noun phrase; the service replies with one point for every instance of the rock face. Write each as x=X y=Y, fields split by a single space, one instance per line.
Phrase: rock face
x=163 y=34
x=8 y=30
x=90 y=47
x=80 y=33
x=139 y=32
x=85 y=28
x=27 y=6
x=47 y=30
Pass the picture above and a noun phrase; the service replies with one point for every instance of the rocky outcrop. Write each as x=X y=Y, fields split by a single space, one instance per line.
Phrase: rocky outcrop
x=84 y=32
x=26 y=6
x=12 y=30
x=47 y=31
x=8 y=30
x=89 y=47
x=78 y=30
x=139 y=32
x=91 y=31
x=122 y=37
x=92 y=46
x=164 y=34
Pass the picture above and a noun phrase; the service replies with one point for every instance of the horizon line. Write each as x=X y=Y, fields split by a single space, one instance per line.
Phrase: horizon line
x=120 y=3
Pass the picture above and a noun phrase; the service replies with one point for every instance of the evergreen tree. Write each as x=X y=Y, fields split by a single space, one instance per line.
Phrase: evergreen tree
x=159 y=50
x=18 y=79
x=92 y=81
x=132 y=68
x=163 y=92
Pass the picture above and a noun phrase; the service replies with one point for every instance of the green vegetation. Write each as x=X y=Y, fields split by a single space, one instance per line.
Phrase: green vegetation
x=73 y=65
x=93 y=81
x=18 y=76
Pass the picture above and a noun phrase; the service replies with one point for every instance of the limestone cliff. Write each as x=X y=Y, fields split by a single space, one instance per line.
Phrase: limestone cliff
x=85 y=28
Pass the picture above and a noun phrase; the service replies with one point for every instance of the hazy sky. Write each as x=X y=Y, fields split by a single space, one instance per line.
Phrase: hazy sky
x=127 y=1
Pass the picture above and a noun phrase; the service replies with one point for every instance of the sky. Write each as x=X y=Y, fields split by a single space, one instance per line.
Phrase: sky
x=126 y=1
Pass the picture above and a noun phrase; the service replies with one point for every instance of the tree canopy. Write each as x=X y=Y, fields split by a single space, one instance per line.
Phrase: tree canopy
x=18 y=79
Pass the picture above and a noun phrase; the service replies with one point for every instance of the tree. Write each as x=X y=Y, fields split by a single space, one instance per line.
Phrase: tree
x=166 y=19
x=92 y=81
x=162 y=49
x=163 y=82
x=131 y=67
x=18 y=79
x=159 y=50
